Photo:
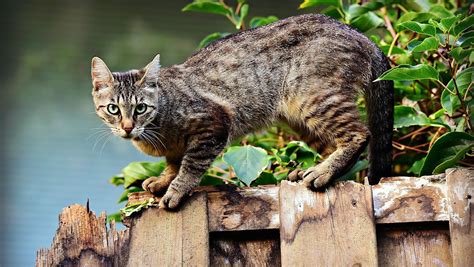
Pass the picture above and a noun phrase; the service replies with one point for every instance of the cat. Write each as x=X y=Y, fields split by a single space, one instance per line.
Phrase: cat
x=304 y=70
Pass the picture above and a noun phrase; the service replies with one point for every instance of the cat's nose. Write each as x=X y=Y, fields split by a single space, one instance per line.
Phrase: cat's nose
x=127 y=127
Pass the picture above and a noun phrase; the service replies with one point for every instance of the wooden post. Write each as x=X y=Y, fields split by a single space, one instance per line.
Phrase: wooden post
x=82 y=239
x=171 y=238
x=332 y=228
x=461 y=215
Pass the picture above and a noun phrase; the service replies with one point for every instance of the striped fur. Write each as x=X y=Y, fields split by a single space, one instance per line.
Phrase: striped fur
x=305 y=70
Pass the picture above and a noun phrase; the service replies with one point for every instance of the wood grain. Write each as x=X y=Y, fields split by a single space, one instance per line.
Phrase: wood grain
x=167 y=238
x=249 y=209
x=332 y=228
x=413 y=246
x=410 y=199
x=82 y=239
x=248 y=248
x=461 y=214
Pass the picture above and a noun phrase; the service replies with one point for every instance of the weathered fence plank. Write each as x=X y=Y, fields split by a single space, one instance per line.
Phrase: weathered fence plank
x=332 y=228
x=413 y=247
x=461 y=215
x=83 y=240
x=248 y=248
x=410 y=199
x=250 y=209
x=164 y=238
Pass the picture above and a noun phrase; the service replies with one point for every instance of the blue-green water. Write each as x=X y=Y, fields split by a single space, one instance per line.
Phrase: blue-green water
x=48 y=159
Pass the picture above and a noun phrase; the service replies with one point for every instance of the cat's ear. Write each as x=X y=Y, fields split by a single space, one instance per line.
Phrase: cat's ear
x=152 y=70
x=101 y=75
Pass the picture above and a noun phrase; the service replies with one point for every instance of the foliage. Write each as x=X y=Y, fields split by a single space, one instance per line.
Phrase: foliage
x=430 y=47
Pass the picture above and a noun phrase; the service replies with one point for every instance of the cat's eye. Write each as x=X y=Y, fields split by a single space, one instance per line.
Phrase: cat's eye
x=113 y=109
x=140 y=109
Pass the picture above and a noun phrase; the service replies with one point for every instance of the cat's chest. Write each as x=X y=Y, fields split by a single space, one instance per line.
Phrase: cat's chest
x=148 y=148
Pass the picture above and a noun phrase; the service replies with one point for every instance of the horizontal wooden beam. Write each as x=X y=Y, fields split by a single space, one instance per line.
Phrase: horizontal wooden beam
x=395 y=200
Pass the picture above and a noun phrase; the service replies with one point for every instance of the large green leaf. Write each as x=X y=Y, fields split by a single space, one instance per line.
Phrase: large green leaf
x=208 y=7
x=418 y=27
x=430 y=43
x=211 y=38
x=367 y=22
x=405 y=116
x=447 y=151
x=137 y=171
x=247 y=161
x=410 y=73
x=464 y=24
x=260 y=21
x=310 y=3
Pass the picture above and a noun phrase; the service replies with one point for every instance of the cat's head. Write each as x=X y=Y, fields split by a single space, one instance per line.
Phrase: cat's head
x=122 y=100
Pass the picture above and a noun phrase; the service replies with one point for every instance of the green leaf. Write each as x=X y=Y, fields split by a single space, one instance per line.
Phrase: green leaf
x=310 y=3
x=208 y=7
x=463 y=25
x=117 y=180
x=430 y=43
x=459 y=53
x=466 y=39
x=447 y=23
x=265 y=178
x=464 y=80
x=247 y=161
x=260 y=21
x=416 y=167
x=136 y=207
x=210 y=180
x=418 y=27
x=137 y=171
x=446 y=152
x=405 y=116
x=395 y=50
x=415 y=16
x=440 y=11
x=367 y=22
x=211 y=38
x=410 y=73
x=350 y=174
x=117 y=217
x=244 y=10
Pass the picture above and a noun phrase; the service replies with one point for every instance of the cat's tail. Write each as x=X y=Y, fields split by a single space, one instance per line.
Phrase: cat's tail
x=379 y=105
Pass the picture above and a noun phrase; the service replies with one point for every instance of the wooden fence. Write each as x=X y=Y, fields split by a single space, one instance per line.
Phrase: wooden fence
x=403 y=221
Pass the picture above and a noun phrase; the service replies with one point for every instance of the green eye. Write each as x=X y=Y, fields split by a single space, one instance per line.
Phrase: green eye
x=140 y=109
x=113 y=109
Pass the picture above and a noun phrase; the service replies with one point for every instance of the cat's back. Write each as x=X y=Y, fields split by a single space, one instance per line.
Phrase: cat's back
x=284 y=36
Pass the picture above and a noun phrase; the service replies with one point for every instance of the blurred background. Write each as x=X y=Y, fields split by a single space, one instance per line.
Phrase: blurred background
x=50 y=153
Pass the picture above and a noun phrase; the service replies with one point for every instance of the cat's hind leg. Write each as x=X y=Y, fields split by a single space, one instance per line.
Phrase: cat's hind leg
x=337 y=121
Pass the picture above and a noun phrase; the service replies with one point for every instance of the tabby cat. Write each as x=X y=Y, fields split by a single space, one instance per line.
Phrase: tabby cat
x=305 y=71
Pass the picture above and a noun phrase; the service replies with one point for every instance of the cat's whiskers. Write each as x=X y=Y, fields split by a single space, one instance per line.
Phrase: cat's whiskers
x=149 y=140
x=97 y=132
x=157 y=136
x=100 y=138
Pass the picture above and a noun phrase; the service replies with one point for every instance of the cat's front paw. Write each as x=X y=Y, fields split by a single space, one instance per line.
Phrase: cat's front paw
x=171 y=199
x=155 y=185
x=296 y=175
x=316 y=178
